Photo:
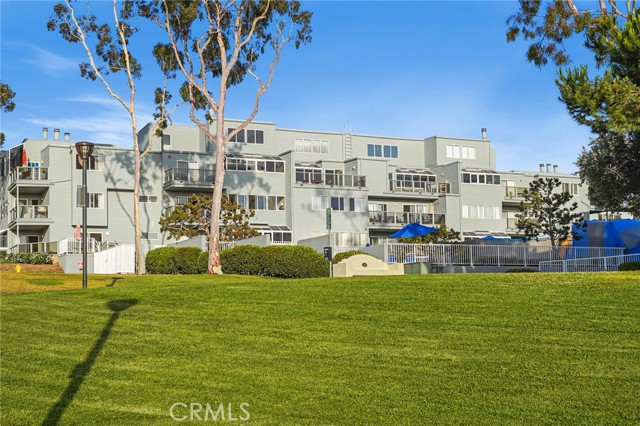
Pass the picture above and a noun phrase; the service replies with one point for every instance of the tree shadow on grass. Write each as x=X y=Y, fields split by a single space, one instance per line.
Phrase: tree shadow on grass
x=82 y=369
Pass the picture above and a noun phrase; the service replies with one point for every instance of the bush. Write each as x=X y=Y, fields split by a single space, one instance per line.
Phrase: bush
x=187 y=260
x=242 y=260
x=30 y=258
x=203 y=262
x=521 y=270
x=346 y=254
x=293 y=262
x=161 y=261
x=629 y=266
x=3 y=255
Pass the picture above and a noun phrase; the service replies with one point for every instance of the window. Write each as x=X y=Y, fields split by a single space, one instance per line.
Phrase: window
x=258 y=202
x=148 y=198
x=308 y=175
x=166 y=141
x=382 y=151
x=316 y=146
x=94 y=199
x=320 y=202
x=571 y=188
x=238 y=137
x=481 y=178
x=181 y=200
x=254 y=164
x=357 y=205
x=94 y=162
x=463 y=152
x=337 y=203
x=481 y=212
x=415 y=182
x=255 y=136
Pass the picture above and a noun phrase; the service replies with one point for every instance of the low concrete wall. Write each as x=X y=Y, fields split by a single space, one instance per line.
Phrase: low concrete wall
x=260 y=241
x=364 y=265
x=69 y=263
x=200 y=241
x=316 y=243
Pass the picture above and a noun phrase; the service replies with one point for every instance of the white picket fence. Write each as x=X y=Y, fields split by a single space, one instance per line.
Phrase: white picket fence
x=591 y=264
x=490 y=255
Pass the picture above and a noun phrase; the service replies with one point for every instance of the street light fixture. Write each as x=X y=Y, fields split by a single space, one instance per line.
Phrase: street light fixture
x=84 y=150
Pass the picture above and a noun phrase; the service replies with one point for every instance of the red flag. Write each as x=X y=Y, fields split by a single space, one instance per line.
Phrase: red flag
x=24 y=157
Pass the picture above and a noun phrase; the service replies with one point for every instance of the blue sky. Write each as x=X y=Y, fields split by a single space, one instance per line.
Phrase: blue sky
x=409 y=69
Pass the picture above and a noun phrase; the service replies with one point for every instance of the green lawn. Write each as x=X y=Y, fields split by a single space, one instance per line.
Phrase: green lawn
x=497 y=349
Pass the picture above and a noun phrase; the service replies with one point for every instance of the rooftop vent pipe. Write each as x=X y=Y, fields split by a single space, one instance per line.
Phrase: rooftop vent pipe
x=484 y=133
x=542 y=167
x=67 y=136
x=555 y=168
x=548 y=167
x=45 y=133
x=56 y=134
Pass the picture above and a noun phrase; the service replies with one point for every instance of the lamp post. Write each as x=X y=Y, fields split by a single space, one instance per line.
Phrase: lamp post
x=84 y=150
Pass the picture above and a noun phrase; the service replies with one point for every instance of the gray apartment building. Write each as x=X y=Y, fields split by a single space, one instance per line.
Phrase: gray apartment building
x=373 y=185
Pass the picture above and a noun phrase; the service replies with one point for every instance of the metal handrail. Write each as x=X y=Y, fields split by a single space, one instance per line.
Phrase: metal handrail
x=206 y=176
x=589 y=264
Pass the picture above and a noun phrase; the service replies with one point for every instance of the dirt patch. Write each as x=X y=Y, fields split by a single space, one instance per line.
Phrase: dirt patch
x=11 y=267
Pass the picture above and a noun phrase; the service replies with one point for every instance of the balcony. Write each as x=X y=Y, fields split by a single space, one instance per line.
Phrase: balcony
x=336 y=180
x=514 y=193
x=390 y=219
x=419 y=187
x=181 y=178
x=30 y=217
x=30 y=178
x=41 y=247
x=511 y=223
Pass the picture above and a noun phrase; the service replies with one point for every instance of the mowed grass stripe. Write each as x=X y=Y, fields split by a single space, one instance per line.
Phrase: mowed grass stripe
x=440 y=349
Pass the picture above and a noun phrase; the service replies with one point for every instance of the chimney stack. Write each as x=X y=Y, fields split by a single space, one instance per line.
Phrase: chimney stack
x=45 y=133
x=67 y=136
x=56 y=134
x=555 y=168
x=484 y=133
x=542 y=167
x=548 y=167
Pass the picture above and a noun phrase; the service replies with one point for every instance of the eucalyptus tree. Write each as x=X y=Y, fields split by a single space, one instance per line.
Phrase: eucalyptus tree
x=214 y=45
x=107 y=48
x=6 y=103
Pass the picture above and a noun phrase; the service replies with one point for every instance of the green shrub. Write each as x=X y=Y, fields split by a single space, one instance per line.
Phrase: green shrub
x=3 y=255
x=346 y=254
x=29 y=258
x=242 y=260
x=521 y=270
x=293 y=262
x=161 y=261
x=203 y=262
x=629 y=266
x=187 y=260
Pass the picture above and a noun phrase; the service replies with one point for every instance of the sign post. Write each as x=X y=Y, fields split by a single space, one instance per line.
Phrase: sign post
x=329 y=252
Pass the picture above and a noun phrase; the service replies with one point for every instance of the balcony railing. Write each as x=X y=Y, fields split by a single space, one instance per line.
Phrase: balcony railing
x=352 y=181
x=190 y=176
x=30 y=212
x=40 y=247
x=404 y=218
x=30 y=173
x=420 y=187
x=514 y=191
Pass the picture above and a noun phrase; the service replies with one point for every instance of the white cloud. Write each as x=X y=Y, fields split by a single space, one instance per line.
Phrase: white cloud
x=50 y=63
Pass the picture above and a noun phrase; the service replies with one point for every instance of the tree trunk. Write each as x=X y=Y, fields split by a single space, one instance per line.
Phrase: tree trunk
x=214 y=266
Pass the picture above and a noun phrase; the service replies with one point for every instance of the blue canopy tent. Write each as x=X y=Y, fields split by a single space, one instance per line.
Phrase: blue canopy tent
x=623 y=233
x=413 y=230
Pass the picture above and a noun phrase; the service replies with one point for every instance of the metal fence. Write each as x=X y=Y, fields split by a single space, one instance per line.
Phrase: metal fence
x=490 y=255
x=591 y=264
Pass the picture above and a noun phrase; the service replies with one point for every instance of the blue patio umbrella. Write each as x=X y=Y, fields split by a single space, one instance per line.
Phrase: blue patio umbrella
x=413 y=230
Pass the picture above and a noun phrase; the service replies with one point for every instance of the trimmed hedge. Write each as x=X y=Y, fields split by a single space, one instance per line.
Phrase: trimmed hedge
x=629 y=266
x=203 y=262
x=29 y=258
x=346 y=254
x=161 y=261
x=242 y=260
x=187 y=260
x=293 y=262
